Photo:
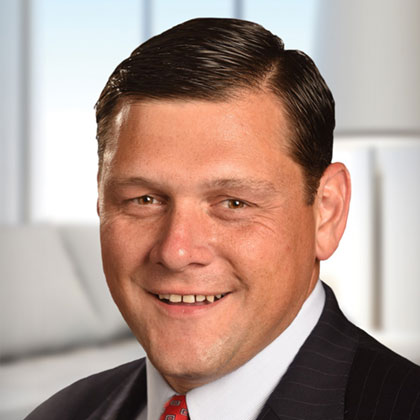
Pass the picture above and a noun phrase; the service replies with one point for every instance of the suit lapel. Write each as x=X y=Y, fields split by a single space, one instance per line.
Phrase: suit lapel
x=127 y=399
x=314 y=386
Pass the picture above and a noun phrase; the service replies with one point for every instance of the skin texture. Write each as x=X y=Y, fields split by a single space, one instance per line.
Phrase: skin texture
x=200 y=197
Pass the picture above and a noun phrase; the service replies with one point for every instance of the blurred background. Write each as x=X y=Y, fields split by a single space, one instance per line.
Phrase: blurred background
x=57 y=321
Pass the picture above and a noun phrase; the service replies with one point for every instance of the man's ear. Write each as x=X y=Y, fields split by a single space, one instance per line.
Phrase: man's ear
x=332 y=206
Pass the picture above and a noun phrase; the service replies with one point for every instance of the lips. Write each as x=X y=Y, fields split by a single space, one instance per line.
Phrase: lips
x=189 y=299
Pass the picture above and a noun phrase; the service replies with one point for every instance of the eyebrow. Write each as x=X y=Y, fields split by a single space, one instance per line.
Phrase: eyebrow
x=255 y=186
x=132 y=181
x=248 y=184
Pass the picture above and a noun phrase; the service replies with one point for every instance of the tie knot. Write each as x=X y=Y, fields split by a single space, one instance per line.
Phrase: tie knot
x=175 y=409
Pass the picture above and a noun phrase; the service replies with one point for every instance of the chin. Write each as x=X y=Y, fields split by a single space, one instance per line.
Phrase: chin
x=190 y=363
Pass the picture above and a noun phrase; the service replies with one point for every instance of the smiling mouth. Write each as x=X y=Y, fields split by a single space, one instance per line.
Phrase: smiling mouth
x=173 y=299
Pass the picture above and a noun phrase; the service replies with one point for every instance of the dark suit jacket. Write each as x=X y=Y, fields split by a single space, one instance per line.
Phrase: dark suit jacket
x=339 y=373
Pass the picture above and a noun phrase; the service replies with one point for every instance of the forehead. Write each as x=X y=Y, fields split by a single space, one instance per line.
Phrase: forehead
x=244 y=136
x=246 y=114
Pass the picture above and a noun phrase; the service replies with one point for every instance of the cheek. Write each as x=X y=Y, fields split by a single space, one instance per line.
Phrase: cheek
x=124 y=250
x=113 y=244
x=257 y=247
x=124 y=243
x=273 y=255
x=261 y=261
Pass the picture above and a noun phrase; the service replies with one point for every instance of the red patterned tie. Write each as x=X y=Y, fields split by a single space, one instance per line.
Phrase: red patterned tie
x=175 y=409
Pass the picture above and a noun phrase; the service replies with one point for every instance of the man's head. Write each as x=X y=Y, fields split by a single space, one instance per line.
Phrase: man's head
x=205 y=197
x=214 y=59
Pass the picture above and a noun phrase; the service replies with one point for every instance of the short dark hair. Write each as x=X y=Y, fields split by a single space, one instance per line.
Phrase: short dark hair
x=212 y=59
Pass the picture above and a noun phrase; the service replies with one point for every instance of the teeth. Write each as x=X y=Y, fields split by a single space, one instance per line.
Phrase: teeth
x=189 y=298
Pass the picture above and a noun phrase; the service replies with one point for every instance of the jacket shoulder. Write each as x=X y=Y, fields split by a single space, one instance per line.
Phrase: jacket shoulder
x=80 y=399
x=381 y=384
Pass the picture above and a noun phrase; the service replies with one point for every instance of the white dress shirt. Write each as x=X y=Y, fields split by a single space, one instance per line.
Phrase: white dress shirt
x=241 y=394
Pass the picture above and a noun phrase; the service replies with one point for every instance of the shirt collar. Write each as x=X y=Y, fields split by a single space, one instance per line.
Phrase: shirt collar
x=241 y=394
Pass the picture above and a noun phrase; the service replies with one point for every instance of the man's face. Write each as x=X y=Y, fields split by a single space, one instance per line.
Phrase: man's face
x=196 y=199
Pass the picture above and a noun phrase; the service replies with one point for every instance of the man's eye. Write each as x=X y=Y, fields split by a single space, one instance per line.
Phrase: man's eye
x=145 y=200
x=235 y=204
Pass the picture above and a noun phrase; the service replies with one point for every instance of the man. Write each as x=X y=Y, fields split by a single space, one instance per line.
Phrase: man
x=217 y=201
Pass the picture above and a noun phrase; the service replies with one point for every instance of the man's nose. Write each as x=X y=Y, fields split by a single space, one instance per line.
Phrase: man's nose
x=184 y=241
